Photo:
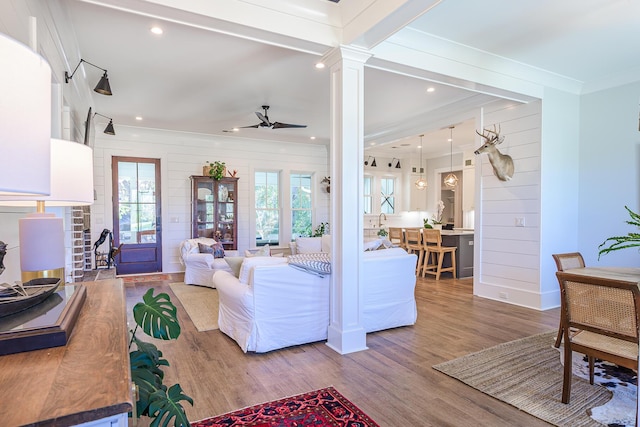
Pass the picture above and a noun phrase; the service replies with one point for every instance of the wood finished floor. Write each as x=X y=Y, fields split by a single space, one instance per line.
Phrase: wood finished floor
x=393 y=381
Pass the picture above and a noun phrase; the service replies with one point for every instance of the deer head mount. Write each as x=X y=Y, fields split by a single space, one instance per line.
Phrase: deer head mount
x=502 y=163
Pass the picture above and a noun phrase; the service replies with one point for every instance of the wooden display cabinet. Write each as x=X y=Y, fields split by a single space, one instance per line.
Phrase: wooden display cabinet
x=214 y=209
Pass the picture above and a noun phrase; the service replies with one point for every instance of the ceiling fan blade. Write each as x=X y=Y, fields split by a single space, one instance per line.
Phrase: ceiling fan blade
x=278 y=125
x=253 y=126
x=263 y=118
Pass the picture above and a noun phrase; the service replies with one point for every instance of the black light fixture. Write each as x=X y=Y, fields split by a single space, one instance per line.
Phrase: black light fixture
x=373 y=164
x=102 y=87
x=397 y=164
x=109 y=129
x=451 y=180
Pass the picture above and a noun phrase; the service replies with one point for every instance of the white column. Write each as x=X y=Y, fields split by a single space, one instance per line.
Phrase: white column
x=346 y=333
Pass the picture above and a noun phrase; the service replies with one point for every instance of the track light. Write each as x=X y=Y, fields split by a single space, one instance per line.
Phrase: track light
x=109 y=130
x=102 y=87
x=397 y=164
x=373 y=164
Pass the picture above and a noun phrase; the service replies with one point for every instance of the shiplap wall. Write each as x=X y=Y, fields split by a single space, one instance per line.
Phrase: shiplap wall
x=184 y=154
x=508 y=257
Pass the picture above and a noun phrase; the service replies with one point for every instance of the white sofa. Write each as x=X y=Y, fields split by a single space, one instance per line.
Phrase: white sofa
x=273 y=305
x=199 y=267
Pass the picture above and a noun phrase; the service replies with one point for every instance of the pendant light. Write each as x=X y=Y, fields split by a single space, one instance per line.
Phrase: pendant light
x=451 y=180
x=421 y=183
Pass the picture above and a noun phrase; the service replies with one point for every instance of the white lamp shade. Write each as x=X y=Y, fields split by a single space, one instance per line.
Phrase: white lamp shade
x=25 y=120
x=71 y=177
x=41 y=242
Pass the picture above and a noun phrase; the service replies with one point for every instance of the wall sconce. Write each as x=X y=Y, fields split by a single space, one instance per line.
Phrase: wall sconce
x=397 y=164
x=373 y=164
x=102 y=87
x=109 y=130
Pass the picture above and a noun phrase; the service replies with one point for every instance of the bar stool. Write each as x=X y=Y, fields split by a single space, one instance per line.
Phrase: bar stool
x=395 y=236
x=435 y=252
x=413 y=244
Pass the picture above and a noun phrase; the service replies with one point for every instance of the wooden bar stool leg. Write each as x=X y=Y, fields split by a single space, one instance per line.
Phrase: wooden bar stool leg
x=452 y=254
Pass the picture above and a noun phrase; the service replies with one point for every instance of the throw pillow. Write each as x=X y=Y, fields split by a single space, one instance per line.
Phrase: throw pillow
x=326 y=243
x=308 y=245
x=249 y=263
x=216 y=249
x=263 y=251
x=205 y=249
x=235 y=262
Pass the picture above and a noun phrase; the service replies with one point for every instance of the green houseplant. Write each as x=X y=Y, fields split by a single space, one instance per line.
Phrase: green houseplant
x=622 y=242
x=217 y=169
x=156 y=316
x=321 y=229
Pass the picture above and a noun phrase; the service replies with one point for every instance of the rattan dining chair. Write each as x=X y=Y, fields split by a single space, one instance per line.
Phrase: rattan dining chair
x=435 y=252
x=606 y=316
x=565 y=262
x=413 y=244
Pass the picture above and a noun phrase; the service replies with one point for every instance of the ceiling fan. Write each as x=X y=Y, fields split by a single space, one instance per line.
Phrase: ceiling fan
x=265 y=123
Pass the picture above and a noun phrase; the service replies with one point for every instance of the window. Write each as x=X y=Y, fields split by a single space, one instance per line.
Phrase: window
x=368 y=195
x=387 y=195
x=301 y=208
x=267 y=208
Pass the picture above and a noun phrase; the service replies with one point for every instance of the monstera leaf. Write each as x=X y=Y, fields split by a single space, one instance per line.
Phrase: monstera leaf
x=156 y=315
x=167 y=409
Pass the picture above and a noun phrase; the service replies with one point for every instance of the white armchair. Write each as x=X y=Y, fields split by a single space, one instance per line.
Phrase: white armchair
x=199 y=267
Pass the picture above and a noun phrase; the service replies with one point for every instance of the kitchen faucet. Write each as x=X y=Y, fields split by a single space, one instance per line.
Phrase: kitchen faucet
x=379 y=220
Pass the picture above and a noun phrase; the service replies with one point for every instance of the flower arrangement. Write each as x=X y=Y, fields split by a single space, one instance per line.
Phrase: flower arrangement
x=437 y=219
x=622 y=242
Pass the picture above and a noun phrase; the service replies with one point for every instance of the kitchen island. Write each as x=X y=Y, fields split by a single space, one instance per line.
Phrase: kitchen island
x=463 y=241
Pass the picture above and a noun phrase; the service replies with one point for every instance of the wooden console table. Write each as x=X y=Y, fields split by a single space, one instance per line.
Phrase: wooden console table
x=88 y=380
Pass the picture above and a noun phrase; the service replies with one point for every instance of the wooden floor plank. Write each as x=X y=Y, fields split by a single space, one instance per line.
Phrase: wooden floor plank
x=393 y=381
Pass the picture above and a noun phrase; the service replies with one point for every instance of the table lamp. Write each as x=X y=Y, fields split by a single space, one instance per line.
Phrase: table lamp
x=25 y=120
x=42 y=252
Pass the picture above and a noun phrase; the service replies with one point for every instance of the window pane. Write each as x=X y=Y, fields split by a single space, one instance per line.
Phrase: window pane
x=368 y=200
x=387 y=197
x=267 y=208
x=300 y=205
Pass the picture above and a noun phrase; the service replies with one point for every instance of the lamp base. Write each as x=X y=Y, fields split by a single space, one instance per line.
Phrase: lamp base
x=57 y=273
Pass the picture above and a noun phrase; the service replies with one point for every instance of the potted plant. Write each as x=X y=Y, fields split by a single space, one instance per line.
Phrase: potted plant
x=622 y=242
x=383 y=232
x=216 y=170
x=157 y=317
x=321 y=229
x=437 y=219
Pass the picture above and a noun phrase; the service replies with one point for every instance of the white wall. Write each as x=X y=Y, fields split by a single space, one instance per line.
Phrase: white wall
x=184 y=154
x=609 y=171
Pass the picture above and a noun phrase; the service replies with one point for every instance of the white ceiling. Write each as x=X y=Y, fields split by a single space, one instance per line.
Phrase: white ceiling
x=208 y=75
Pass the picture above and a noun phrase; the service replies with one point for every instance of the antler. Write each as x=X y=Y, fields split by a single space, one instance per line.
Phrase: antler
x=487 y=135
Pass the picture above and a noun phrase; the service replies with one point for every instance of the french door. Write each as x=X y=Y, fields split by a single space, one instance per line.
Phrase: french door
x=137 y=215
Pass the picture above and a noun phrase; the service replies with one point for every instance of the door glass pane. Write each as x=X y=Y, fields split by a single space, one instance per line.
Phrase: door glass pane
x=137 y=202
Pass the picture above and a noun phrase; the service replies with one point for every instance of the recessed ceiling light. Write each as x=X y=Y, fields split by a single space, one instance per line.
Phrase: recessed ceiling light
x=431 y=89
x=156 y=30
x=235 y=129
x=313 y=137
x=138 y=118
x=320 y=65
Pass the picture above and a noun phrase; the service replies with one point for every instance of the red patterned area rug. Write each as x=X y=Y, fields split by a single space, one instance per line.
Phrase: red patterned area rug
x=320 y=408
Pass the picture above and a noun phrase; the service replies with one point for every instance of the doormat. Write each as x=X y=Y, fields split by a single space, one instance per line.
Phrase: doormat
x=144 y=278
x=321 y=408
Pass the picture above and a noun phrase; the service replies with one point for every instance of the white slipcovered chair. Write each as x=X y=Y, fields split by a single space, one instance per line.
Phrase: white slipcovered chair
x=199 y=267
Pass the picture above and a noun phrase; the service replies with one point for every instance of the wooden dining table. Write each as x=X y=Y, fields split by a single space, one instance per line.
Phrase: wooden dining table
x=625 y=274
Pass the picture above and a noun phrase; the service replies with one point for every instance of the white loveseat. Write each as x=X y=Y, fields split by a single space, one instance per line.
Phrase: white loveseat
x=273 y=305
x=199 y=267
